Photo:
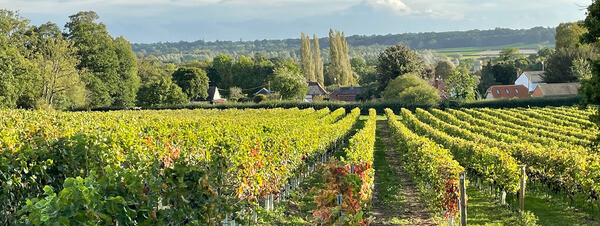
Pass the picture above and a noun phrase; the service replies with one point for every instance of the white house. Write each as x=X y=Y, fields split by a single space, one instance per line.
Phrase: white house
x=530 y=79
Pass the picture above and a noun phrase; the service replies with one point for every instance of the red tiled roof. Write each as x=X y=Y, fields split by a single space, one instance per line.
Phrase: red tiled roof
x=508 y=91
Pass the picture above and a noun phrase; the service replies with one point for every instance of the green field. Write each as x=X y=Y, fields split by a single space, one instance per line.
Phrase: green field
x=471 y=52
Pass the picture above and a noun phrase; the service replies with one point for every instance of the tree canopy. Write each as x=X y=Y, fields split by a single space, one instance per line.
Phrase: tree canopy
x=559 y=64
x=395 y=61
x=289 y=82
x=411 y=89
x=193 y=82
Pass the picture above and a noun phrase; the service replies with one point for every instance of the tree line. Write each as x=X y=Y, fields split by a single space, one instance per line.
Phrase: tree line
x=361 y=46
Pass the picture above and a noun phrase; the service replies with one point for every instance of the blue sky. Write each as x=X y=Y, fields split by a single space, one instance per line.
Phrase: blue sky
x=174 y=20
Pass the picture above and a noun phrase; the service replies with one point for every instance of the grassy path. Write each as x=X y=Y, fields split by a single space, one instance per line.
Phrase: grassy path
x=395 y=197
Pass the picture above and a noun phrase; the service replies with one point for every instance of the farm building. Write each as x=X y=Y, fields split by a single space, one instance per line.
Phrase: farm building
x=507 y=92
x=530 y=79
x=440 y=85
x=314 y=90
x=556 y=90
x=264 y=91
x=345 y=94
x=213 y=96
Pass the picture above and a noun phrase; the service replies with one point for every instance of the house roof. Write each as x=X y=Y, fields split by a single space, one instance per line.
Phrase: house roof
x=211 y=93
x=315 y=88
x=347 y=91
x=439 y=84
x=508 y=91
x=264 y=91
x=559 y=89
x=534 y=76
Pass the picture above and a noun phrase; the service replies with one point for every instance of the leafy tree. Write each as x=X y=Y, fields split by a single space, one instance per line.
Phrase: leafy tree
x=545 y=52
x=444 y=69
x=159 y=93
x=568 y=35
x=461 y=84
x=412 y=90
x=486 y=80
x=259 y=98
x=395 y=61
x=308 y=67
x=193 y=82
x=318 y=61
x=582 y=69
x=340 y=70
x=15 y=31
x=152 y=70
x=289 y=82
x=467 y=63
x=559 y=64
x=235 y=94
x=60 y=80
x=113 y=77
x=222 y=73
x=431 y=57
x=366 y=74
x=590 y=86
x=504 y=73
x=17 y=72
x=243 y=72
x=263 y=67
x=510 y=54
x=127 y=70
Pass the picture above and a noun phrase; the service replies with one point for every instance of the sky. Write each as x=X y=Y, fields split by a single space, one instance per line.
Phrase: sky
x=149 y=21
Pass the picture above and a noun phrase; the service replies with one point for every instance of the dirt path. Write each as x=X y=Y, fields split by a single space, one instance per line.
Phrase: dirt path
x=395 y=196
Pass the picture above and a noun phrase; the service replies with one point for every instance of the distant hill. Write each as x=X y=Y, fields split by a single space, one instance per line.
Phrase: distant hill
x=367 y=47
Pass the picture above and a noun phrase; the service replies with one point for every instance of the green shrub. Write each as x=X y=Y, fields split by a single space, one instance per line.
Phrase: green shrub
x=259 y=98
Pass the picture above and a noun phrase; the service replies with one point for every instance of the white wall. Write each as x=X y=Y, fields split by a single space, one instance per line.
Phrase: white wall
x=523 y=80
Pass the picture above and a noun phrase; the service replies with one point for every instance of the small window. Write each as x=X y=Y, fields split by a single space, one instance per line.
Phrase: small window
x=507 y=91
x=517 y=91
x=498 y=91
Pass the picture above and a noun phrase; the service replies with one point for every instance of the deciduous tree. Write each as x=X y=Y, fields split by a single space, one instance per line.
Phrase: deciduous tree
x=193 y=82
x=60 y=81
x=411 y=89
x=308 y=67
x=318 y=61
x=461 y=84
x=569 y=34
x=443 y=69
x=559 y=64
x=289 y=82
x=396 y=61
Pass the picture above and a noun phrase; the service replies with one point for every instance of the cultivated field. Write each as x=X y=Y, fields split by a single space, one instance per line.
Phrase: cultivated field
x=292 y=166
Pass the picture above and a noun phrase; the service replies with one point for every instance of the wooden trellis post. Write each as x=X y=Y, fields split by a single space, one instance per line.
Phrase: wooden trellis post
x=463 y=199
x=522 y=189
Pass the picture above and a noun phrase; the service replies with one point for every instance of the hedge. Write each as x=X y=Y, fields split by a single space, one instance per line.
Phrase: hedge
x=378 y=105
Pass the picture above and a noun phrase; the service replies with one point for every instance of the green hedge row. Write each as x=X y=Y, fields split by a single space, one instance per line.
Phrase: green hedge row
x=378 y=105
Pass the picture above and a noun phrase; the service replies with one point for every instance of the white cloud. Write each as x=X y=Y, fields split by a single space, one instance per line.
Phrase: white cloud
x=397 y=6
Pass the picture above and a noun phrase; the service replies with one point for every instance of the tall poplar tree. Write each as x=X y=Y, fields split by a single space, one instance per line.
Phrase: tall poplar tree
x=307 y=58
x=340 y=69
x=334 y=67
x=318 y=61
x=347 y=73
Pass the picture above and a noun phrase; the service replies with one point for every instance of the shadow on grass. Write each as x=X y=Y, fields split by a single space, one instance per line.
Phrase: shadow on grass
x=552 y=212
